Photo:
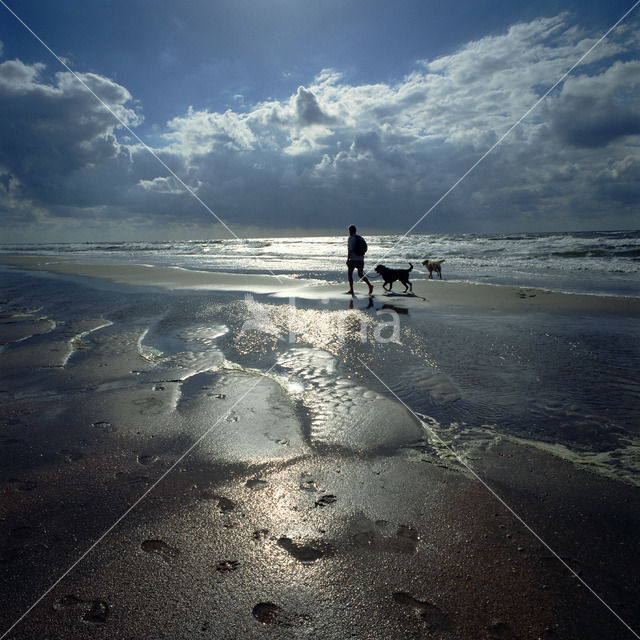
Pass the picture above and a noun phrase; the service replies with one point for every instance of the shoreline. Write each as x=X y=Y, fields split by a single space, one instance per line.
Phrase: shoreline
x=440 y=293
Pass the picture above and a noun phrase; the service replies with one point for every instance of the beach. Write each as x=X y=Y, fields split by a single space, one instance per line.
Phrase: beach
x=196 y=454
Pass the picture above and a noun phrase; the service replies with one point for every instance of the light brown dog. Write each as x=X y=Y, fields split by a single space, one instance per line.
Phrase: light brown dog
x=433 y=265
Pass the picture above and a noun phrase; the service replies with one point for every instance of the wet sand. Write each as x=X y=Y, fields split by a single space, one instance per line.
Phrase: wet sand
x=314 y=506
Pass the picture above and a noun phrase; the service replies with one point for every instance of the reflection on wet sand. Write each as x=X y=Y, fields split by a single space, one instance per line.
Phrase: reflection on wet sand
x=317 y=506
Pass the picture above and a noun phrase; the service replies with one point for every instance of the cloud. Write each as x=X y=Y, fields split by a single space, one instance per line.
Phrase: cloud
x=56 y=135
x=308 y=110
x=593 y=112
x=16 y=77
x=334 y=152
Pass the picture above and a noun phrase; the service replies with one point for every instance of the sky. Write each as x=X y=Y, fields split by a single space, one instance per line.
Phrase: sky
x=300 y=117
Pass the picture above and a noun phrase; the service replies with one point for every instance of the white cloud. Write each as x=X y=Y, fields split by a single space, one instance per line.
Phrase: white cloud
x=16 y=77
x=200 y=132
x=162 y=186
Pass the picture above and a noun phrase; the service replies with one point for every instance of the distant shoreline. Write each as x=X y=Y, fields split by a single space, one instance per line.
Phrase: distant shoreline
x=602 y=263
x=490 y=297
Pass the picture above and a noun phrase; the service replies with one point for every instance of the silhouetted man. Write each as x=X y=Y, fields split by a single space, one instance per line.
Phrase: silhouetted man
x=356 y=248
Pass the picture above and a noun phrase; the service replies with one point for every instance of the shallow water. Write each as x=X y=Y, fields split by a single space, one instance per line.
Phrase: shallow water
x=320 y=376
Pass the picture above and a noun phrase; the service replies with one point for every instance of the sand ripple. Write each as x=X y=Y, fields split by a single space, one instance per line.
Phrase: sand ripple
x=342 y=412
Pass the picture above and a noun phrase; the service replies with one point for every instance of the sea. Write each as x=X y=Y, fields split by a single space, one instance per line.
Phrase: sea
x=601 y=262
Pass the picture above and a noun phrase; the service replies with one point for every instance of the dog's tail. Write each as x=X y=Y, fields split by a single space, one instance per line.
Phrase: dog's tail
x=410 y=266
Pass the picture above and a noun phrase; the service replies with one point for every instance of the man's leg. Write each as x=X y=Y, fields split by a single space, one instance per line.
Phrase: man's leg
x=350 y=278
x=364 y=278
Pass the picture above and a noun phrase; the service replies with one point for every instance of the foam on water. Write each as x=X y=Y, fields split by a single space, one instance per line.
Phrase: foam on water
x=622 y=462
x=599 y=262
x=189 y=350
x=19 y=325
x=459 y=444
x=148 y=352
x=78 y=342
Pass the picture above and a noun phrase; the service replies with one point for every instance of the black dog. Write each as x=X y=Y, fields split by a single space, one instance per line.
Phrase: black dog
x=391 y=275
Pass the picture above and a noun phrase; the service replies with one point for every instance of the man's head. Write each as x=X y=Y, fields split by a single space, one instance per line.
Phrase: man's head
x=352 y=229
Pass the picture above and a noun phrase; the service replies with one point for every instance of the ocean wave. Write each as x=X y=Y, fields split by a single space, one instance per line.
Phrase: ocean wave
x=530 y=259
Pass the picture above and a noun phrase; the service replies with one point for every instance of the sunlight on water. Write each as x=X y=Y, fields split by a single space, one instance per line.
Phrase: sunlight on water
x=344 y=413
x=599 y=262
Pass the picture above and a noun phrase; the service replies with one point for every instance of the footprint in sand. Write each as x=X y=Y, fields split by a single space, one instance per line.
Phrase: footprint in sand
x=160 y=548
x=260 y=535
x=256 y=483
x=325 y=500
x=434 y=618
x=224 y=504
x=102 y=425
x=383 y=536
x=67 y=601
x=227 y=565
x=307 y=483
x=309 y=552
x=94 y=611
x=98 y=612
x=271 y=614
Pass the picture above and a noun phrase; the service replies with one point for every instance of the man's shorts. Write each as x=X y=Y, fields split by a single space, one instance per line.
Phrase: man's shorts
x=355 y=264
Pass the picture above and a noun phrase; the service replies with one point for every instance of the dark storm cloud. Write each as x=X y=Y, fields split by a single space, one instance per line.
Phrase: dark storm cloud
x=593 y=112
x=56 y=135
